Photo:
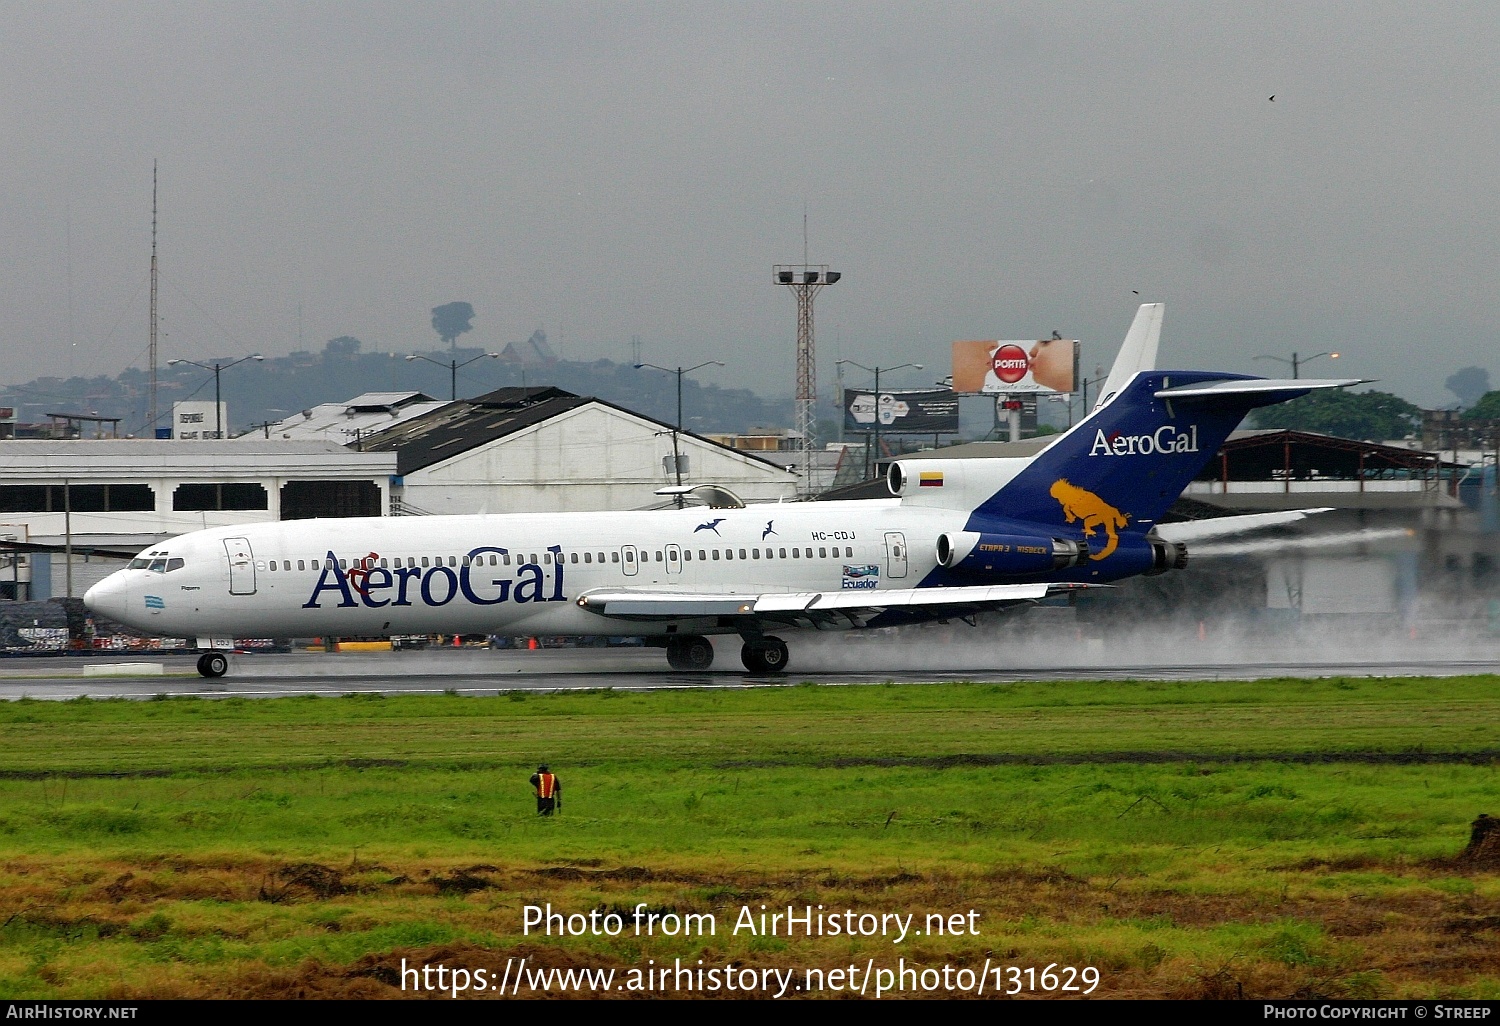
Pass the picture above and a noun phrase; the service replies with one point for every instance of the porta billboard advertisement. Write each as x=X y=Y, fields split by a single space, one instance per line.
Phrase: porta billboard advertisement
x=1045 y=365
x=930 y=411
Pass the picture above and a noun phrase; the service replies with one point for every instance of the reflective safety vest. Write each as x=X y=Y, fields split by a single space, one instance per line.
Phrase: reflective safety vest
x=546 y=784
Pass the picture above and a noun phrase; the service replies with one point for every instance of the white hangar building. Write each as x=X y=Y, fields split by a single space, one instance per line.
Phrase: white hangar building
x=544 y=449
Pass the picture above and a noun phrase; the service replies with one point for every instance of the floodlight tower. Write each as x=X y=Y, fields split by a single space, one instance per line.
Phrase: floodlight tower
x=806 y=281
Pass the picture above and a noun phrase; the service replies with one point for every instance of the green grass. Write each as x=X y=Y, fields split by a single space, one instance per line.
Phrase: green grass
x=1265 y=838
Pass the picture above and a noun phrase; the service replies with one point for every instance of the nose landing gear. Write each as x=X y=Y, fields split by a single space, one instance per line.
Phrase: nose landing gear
x=213 y=664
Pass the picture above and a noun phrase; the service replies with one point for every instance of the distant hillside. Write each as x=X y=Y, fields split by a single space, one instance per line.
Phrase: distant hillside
x=256 y=392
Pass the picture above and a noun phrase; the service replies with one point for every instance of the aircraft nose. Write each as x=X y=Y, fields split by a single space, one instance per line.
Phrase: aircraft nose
x=109 y=597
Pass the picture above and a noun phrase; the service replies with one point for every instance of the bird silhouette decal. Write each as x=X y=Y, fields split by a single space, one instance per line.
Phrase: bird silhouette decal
x=712 y=525
x=769 y=530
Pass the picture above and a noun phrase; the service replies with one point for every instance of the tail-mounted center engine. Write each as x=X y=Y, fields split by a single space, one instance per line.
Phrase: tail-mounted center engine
x=1007 y=555
x=1166 y=555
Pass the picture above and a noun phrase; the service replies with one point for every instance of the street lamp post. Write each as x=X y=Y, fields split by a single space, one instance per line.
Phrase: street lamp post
x=216 y=368
x=1296 y=361
x=453 y=366
x=679 y=371
x=874 y=461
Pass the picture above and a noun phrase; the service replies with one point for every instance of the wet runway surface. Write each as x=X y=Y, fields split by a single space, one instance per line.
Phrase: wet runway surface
x=478 y=671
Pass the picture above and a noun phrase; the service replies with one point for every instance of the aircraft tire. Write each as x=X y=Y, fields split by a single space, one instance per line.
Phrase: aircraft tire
x=768 y=655
x=690 y=652
x=213 y=664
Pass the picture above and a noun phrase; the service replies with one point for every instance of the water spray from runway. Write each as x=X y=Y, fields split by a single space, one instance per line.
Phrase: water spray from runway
x=1345 y=541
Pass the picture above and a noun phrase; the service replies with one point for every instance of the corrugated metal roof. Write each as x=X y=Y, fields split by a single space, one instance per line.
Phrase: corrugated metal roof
x=469 y=423
x=227 y=449
x=386 y=400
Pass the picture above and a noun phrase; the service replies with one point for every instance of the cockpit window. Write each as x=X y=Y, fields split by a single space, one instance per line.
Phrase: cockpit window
x=174 y=564
x=139 y=563
x=158 y=566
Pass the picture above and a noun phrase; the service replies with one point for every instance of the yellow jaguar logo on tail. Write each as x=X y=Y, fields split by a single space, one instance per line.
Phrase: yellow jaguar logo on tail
x=1078 y=504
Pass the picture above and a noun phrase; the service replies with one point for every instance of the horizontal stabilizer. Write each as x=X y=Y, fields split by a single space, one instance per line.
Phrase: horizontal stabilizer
x=1268 y=388
x=1226 y=527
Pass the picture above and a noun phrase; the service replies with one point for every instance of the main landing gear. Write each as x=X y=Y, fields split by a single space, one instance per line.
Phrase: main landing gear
x=689 y=652
x=213 y=664
x=765 y=655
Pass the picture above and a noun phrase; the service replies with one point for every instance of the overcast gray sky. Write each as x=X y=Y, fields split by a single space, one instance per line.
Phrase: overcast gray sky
x=608 y=170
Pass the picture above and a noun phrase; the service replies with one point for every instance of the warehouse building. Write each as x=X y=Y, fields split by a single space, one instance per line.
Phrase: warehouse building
x=125 y=494
x=544 y=449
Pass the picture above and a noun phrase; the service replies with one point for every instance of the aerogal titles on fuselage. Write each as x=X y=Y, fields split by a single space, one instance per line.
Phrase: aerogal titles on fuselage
x=1165 y=439
x=377 y=587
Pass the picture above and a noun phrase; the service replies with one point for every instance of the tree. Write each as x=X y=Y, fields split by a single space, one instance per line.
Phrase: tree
x=1372 y=416
x=1469 y=384
x=344 y=345
x=451 y=320
x=1487 y=408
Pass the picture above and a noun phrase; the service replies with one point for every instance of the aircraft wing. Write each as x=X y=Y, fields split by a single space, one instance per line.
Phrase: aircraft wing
x=826 y=610
x=1224 y=527
x=79 y=549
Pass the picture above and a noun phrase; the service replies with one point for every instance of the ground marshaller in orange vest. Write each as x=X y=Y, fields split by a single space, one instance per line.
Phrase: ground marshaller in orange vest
x=548 y=791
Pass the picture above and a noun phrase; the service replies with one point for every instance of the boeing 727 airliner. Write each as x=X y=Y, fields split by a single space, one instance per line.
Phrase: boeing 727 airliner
x=959 y=537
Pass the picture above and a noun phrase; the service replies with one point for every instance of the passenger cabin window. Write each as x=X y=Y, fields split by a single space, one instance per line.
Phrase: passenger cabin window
x=614 y=557
x=300 y=565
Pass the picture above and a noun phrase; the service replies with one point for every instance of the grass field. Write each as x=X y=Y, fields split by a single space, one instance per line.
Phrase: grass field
x=1273 y=838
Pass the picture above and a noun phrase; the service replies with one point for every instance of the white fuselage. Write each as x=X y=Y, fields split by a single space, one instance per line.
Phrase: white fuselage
x=512 y=573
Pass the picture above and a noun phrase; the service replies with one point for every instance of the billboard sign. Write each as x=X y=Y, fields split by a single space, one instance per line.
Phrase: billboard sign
x=195 y=420
x=1045 y=365
x=924 y=411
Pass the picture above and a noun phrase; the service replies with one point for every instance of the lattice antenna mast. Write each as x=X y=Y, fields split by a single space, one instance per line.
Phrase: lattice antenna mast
x=152 y=389
x=806 y=281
